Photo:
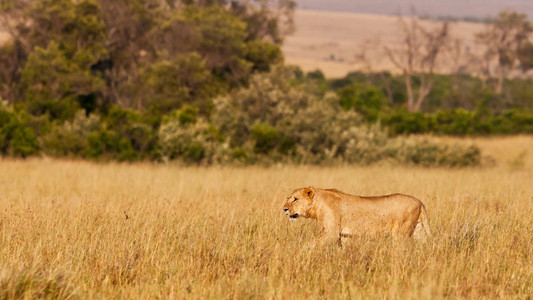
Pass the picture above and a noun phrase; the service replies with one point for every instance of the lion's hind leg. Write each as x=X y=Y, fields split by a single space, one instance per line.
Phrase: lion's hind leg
x=419 y=232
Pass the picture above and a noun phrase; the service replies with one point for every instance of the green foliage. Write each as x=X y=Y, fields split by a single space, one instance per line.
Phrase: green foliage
x=109 y=144
x=262 y=55
x=368 y=101
x=24 y=142
x=402 y=121
x=76 y=25
x=126 y=136
x=139 y=54
x=285 y=123
x=185 y=115
x=120 y=135
x=52 y=83
x=460 y=122
x=456 y=122
x=197 y=142
x=63 y=39
x=488 y=112
x=265 y=136
x=71 y=138
x=222 y=42
x=16 y=137
x=167 y=85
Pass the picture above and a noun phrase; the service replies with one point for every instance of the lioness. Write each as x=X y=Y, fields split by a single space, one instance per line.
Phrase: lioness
x=343 y=215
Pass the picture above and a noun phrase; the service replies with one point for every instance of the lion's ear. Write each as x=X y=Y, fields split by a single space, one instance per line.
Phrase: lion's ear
x=309 y=192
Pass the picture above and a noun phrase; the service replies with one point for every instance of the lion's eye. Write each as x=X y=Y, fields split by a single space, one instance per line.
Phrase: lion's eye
x=295 y=199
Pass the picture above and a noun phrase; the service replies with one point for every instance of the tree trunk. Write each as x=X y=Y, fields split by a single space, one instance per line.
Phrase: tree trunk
x=410 y=96
x=501 y=77
x=426 y=84
x=418 y=105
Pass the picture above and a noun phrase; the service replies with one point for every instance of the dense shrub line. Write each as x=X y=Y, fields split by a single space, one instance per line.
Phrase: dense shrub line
x=274 y=119
x=458 y=106
x=460 y=122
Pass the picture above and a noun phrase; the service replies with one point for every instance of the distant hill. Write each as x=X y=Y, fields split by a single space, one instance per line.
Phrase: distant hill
x=329 y=41
x=477 y=9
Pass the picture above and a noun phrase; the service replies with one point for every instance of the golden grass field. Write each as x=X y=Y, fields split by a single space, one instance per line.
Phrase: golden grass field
x=329 y=41
x=75 y=229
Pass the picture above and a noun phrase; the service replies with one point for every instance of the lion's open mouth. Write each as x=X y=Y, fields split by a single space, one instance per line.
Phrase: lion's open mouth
x=294 y=216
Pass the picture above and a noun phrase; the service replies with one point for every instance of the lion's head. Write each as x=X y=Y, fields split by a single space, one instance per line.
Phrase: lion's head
x=299 y=203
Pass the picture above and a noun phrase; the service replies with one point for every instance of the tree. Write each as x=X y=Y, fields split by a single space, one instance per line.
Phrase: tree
x=53 y=84
x=168 y=85
x=504 y=39
x=134 y=53
x=269 y=20
x=54 y=43
x=417 y=57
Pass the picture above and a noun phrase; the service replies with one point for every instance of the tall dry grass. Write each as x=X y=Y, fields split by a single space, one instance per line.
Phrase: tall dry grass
x=86 y=230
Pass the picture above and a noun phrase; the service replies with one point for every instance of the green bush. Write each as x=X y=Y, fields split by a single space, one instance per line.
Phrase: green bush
x=266 y=137
x=24 y=142
x=274 y=119
x=126 y=135
x=109 y=144
x=16 y=137
x=198 y=142
x=186 y=115
x=401 y=121
x=119 y=135
x=459 y=122
x=368 y=102
x=522 y=121
x=72 y=137
x=456 y=122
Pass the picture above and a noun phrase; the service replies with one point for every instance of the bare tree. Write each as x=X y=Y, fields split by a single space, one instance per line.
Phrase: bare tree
x=503 y=40
x=456 y=53
x=417 y=57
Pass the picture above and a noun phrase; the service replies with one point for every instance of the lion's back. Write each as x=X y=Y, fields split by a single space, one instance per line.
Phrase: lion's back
x=376 y=211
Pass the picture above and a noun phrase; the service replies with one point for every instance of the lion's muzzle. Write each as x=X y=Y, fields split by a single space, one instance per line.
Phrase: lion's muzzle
x=294 y=216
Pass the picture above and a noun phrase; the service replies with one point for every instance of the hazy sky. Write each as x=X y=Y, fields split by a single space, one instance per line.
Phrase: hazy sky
x=435 y=8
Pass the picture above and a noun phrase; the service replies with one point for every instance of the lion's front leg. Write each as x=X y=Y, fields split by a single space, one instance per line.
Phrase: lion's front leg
x=326 y=237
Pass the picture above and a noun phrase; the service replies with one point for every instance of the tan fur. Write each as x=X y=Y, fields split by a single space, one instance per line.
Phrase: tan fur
x=344 y=215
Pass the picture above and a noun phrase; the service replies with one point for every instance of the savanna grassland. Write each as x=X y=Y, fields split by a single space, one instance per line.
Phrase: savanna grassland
x=74 y=229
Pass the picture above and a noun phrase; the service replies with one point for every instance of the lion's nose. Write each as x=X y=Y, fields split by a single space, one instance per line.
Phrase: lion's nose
x=285 y=209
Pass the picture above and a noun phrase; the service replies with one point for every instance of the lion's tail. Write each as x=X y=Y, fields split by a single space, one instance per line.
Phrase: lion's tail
x=422 y=230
